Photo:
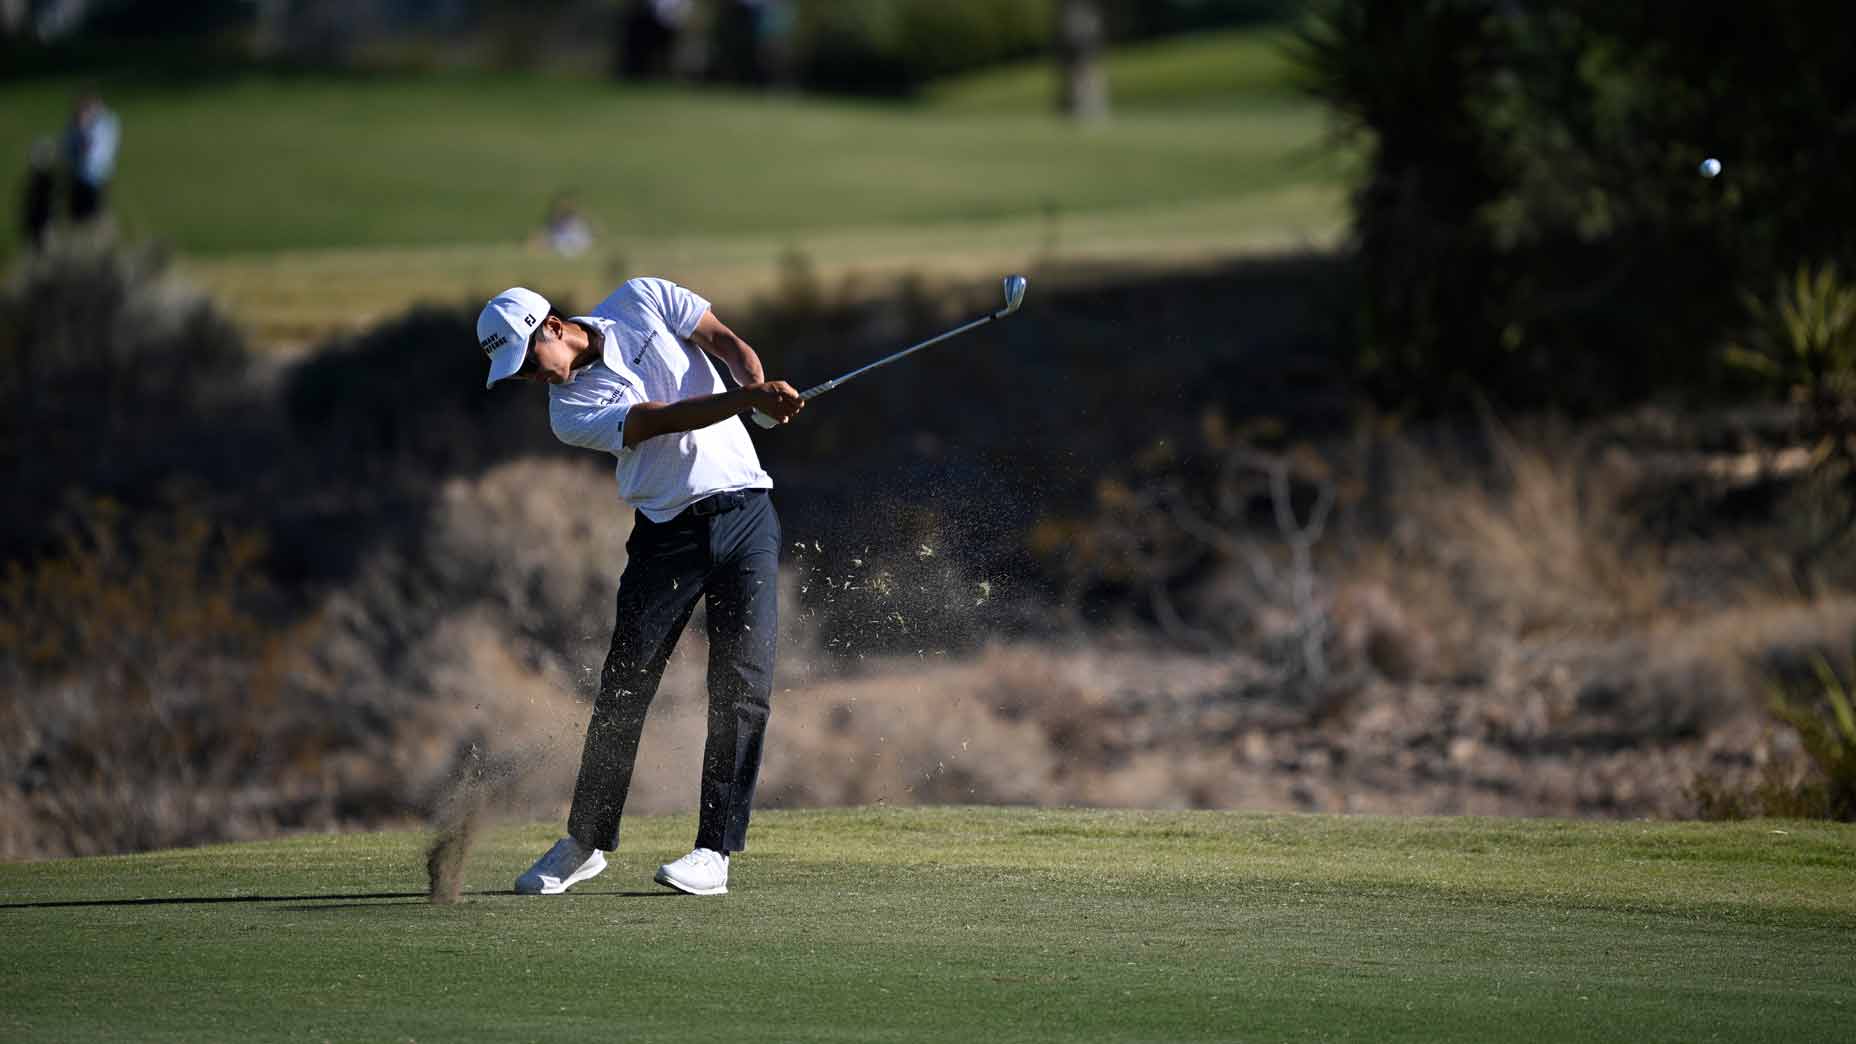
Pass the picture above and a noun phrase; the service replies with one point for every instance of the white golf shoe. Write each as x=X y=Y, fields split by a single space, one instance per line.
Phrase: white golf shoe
x=565 y=865
x=702 y=872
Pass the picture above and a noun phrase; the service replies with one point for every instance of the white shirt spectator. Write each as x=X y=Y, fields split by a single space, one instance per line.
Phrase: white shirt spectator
x=649 y=357
x=94 y=141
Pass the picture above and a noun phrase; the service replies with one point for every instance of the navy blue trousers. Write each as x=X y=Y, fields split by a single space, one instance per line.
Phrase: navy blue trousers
x=725 y=549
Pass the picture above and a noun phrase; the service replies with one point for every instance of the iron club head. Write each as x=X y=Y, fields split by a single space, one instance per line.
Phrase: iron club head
x=1014 y=294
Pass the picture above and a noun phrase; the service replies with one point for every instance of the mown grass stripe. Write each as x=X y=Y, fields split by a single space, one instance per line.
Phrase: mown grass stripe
x=1001 y=924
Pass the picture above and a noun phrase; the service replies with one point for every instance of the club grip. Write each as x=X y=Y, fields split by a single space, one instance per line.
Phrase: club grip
x=765 y=421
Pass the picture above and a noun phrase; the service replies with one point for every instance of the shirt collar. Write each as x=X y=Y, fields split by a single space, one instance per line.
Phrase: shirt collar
x=612 y=350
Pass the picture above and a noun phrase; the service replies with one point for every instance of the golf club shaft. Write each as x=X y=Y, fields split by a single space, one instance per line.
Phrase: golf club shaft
x=1014 y=286
x=816 y=390
x=886 y=360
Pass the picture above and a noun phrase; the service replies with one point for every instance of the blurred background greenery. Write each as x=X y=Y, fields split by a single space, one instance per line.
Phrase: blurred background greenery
x=1381 y=361
x=411 y=154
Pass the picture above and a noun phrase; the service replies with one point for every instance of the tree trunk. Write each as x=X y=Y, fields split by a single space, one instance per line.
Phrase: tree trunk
x=270 y=29
x=14 y=19
x=1084 y=82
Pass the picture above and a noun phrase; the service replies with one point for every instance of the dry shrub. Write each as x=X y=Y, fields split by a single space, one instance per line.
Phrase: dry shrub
x=142 y=700
x=908 y=733
x=112 y=370
x=512 y=651
x=1412 y=559
x=1540 y=541
x=1685 y=675
x=1530 y=574
x=1375 y=625
x=1013 y=725
x=489 y=627
x=150 y=699
x=540 y=542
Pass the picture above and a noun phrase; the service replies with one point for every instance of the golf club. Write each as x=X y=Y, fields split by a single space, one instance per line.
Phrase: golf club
x=1014 y=296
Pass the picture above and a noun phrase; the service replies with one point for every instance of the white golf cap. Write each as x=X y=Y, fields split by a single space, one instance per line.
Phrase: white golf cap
x=504 y=327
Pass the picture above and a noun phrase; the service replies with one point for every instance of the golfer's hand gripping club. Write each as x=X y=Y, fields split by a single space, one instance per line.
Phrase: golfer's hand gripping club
x=777 y=401
x=1014 y=296
x=762 y=418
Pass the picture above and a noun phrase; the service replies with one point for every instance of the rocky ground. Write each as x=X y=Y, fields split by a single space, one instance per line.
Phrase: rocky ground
x=1149 y=727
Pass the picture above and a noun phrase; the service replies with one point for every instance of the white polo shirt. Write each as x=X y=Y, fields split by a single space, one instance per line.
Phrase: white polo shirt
x=649 y=357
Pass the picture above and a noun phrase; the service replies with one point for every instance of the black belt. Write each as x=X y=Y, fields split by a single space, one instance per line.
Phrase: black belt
x=717 y=503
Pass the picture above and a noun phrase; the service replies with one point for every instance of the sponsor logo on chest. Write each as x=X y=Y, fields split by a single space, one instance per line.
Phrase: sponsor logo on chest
x=658 y=357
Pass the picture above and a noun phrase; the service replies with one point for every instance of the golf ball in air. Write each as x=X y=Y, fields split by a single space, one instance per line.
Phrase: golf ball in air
x=1710 y=167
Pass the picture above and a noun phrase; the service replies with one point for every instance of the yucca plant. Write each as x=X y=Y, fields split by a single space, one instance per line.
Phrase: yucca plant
x=1803 y=338
x=1801 y=342
x=1822 y=713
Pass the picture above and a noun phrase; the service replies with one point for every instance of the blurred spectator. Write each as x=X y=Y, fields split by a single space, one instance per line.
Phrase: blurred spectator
x=753 y=41
x=566 y=231
x=41 y=185
x=650 y=37
x=773 y=35
x=90 y=148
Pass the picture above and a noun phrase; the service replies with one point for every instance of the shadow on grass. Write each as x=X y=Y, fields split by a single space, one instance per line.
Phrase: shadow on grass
x=349 y=899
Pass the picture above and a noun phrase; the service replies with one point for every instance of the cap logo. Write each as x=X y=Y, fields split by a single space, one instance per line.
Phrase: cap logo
x=491 y=344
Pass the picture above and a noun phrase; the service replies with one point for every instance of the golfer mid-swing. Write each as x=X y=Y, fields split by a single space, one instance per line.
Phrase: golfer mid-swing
x=632 y=379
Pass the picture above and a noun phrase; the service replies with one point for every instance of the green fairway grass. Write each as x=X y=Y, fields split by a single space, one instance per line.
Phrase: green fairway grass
x=313 y=205
x=288 y=297
x=978 y=924
x=271 y=164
